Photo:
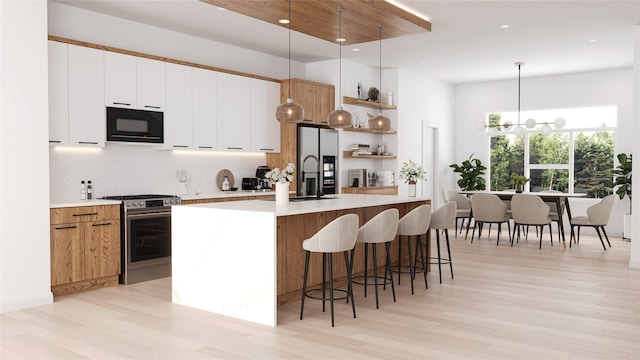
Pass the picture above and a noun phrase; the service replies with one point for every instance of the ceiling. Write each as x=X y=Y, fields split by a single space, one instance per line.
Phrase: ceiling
x=467 y=42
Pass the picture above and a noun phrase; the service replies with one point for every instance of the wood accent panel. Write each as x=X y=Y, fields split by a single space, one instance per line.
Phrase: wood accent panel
x=371 y=190
x=159 y=58
x=320 y=19
x=74 y=287
x=293 y=230
x=371 y=104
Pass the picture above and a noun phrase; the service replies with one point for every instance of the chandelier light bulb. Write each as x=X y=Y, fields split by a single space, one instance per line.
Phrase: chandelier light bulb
x=493 y=132
x=518 y=130
x=507 y=124
x=546 y=129
x=560 y=123
x=530 y=123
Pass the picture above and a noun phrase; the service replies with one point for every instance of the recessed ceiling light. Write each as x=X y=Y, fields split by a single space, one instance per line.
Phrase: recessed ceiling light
x=356 y=49
x=505 y=26
x=283 y=21
x=422 y=62
x=341 y=39
x=592 y=40
x=221 y=8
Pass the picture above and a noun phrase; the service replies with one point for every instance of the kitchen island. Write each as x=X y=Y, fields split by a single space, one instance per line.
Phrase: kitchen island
x=244 y=258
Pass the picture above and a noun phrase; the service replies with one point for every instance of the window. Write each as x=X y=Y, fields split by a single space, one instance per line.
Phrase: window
x=577 y=158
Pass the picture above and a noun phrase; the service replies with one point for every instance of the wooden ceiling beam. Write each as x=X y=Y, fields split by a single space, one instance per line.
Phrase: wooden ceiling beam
x=320 y=19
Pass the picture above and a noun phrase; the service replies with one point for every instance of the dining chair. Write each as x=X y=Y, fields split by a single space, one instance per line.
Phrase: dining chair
x=463 y=207
x=597 y=217
x=530 y=210
x=555 y=213
x=488 y=209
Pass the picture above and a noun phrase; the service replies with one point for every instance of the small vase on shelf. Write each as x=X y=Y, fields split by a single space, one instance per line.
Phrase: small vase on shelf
x=282 y=193
x=412 y=189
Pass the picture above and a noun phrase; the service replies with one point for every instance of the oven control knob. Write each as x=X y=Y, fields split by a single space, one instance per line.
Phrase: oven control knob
x=129 y=204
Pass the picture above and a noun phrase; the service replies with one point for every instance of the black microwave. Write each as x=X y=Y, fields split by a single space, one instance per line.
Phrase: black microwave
x=131 y=125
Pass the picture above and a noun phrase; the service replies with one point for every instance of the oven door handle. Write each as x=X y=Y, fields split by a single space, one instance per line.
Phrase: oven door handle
x=149 y=215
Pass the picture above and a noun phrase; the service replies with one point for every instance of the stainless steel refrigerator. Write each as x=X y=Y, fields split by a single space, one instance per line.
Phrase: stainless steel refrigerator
x=317 y=161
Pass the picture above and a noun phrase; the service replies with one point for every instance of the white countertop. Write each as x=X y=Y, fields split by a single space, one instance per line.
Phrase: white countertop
x=93 y=202
x=333 y=202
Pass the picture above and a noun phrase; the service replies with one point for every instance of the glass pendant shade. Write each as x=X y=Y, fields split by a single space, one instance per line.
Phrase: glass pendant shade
x=290 y=112
x=340 y=119
x=379 y=123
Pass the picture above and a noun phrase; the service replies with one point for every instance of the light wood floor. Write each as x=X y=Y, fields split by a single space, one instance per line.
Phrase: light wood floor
x=504 y=303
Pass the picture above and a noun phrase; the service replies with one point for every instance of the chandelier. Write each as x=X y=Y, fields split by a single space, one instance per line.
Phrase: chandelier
x=530 y=124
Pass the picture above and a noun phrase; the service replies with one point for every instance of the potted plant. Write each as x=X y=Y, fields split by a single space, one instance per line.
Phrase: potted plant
x=411 y=172
x=622 y=174
x=471 y=171
x=518 y=181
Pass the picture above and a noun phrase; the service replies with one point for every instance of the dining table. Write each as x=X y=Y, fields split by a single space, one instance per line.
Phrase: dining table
x=548 y=197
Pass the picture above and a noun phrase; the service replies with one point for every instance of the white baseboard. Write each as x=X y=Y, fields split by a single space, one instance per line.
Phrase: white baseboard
x=8 y=305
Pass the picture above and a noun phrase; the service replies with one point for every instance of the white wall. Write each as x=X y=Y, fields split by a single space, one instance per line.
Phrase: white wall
x=24 y=160
x=615 y=87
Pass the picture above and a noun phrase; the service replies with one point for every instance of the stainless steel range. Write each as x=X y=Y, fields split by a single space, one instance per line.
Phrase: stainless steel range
x=145 y=237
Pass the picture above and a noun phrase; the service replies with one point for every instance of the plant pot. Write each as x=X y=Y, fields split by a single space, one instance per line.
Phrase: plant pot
x=412 y=189
x=626 y=230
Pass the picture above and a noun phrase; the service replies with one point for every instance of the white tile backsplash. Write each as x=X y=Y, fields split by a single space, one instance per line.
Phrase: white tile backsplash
x=136 y=169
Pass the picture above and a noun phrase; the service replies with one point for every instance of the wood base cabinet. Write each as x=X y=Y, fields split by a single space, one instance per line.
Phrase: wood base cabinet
x=85 y=248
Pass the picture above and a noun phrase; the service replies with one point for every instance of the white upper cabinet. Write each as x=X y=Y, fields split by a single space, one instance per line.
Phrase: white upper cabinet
x=87 y=116
x=120 y=80
x=178 y=128
x=58 y=94
x=134 y=82
x=151 y=84
x=204 y=109
x=234 y=112
x=265 y=129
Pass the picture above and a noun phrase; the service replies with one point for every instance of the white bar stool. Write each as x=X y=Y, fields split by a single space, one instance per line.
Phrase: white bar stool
x=414 y=223
x=338 y=236
x=382 y=228
x=443 y=219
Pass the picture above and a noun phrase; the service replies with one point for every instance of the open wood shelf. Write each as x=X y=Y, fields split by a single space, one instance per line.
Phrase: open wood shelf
x=371 y=104
x=348 y=154
x=367 y=130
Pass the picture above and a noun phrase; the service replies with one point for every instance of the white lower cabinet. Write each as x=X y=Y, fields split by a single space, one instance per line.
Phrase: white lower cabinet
x=204 y=109
x=178 y=124
x=87 y=116
x=265 y=128
x=234 y=112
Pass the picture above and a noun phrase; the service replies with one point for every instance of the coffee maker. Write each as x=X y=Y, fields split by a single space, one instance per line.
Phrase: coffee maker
x=261 y=171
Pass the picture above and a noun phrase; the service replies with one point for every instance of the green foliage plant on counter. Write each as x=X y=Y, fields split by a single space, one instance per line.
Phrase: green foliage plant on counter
x=471 y=174
x=518 y=181
x=622 y=173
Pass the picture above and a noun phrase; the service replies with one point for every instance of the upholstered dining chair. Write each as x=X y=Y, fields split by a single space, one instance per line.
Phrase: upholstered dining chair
x=488 y=209
x=463 y=207
x=597 y=217
x=555 y=214
x=381 y=229
x=339 y=235
x=530 y=210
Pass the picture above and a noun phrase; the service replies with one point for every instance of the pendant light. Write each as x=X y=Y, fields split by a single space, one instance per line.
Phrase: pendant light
x=289 y=112
x=340 y=118
x=380 y=123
